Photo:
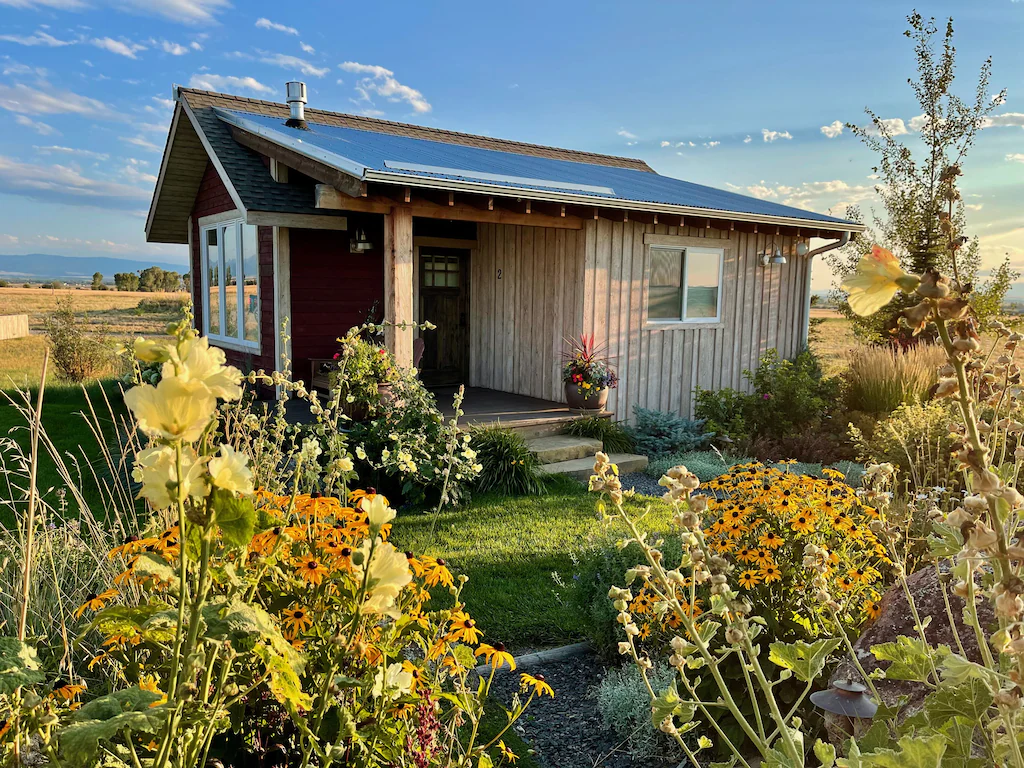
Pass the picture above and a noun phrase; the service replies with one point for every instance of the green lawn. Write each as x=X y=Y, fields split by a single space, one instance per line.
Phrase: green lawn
x=69 y=432
x=511 y=549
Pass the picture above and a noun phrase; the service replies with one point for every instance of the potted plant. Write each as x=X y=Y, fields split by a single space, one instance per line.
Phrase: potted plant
x=587 y=375
x=365 y=375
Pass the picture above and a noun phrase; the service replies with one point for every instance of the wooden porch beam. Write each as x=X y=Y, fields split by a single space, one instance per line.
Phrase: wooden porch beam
x=398 y=288
x=549 y=209
x=341 y=181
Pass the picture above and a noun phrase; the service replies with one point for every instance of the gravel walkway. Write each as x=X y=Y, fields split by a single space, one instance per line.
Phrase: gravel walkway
x=566 y=731
x=642 y=484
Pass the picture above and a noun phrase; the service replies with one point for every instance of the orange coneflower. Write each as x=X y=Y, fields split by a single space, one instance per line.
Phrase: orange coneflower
x=749 y=579
x=94 y=602
x=296 y=619
x=464 y=628
x=770 y=573
x=311 y=569
x=540 y=687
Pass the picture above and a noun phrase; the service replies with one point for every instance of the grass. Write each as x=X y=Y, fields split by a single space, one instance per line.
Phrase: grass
x=511 y=549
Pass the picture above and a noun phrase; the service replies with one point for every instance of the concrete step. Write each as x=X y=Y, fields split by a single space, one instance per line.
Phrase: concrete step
x=582 y=469
x=557 y=448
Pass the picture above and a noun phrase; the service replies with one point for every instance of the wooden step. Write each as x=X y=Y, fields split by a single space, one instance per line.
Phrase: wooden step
x=556 y=448
x=582 y=469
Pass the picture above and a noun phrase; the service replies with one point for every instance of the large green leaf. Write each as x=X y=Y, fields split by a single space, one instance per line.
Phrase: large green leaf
x=911 y=658
x=945 y=541
x=153 y=566
x=127 y=619
x=245 y=626
x=19 y=665
x=669 y=704
x=806 y=660
x=104 y=718
x=957 y=670
x=959 y=735
x=236 y=517
x=971 y=701
x=912 y=753
x=284 y=682
x=825 y=752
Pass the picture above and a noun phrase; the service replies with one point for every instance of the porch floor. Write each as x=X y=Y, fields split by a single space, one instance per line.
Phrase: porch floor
x=484 y=407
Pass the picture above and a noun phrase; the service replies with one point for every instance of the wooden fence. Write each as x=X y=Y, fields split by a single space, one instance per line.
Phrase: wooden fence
x=13 y=326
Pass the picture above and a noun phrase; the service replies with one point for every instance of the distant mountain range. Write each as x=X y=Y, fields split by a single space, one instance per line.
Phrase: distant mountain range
x=35 y=266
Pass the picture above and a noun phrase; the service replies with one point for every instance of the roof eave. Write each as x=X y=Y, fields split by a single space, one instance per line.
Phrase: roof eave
x=454 y=185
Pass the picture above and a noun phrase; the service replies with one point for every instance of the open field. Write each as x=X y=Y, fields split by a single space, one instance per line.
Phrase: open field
x=112 y=315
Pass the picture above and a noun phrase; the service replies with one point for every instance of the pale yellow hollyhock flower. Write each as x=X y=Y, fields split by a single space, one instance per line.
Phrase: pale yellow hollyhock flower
x=230 y=471
x=395 y=681
x=173 y=409
x=151 y=351
x=388 y=576
x=195 y=360
x=157 y=470
x=378 y=512
x=878 y=278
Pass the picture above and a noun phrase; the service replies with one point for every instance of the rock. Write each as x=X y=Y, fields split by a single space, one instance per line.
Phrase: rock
x=896 y=619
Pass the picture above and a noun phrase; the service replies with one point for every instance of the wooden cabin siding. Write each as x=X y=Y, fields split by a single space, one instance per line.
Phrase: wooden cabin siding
x=762 y=308
x=557 y=283
x=518 y=322
x=332 y=290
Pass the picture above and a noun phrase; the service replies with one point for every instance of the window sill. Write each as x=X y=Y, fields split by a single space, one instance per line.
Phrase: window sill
x=682 y=325
x=251 y=347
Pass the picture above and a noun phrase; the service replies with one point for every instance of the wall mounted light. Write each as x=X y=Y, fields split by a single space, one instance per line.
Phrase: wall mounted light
x=773 y=256
x=360 y=243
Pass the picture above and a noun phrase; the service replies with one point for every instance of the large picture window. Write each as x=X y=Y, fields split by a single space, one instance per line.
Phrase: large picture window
x=684 y=285
x=231 y=283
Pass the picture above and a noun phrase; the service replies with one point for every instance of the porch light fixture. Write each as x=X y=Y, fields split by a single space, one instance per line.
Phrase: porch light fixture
x=847 y=698
x=774 y=257
x=360 y=243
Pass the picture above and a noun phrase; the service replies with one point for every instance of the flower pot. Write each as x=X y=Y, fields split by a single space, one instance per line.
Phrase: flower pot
x=580 y=399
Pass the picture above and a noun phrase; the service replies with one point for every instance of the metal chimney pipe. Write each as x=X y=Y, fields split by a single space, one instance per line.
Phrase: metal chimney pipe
x=296 y=91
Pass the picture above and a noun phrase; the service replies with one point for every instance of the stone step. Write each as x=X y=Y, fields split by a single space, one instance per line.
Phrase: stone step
x=555 y=448
x=582 y=469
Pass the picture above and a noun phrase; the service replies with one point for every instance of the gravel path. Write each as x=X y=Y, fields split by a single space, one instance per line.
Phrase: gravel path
x=566 y=731
x=642 y=484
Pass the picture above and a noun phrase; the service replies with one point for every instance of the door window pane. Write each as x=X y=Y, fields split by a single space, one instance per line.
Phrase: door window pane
x=702 y=271
x=665 y=292
x=213 y=279
x=229 y=248
x=250 y=280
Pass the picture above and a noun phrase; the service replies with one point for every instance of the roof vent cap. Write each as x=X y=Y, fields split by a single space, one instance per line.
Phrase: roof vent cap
x=296 y=91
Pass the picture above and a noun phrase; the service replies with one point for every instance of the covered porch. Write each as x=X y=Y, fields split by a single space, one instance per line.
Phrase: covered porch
x=530 y=416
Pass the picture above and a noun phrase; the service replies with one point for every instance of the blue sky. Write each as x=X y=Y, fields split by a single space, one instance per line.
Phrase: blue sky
x=734 y=94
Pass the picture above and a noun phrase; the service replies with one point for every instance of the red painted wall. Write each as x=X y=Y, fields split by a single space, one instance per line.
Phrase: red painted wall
x=332 y=288
x=213 y=198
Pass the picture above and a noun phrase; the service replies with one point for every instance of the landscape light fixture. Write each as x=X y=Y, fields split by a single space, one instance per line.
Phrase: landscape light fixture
x=772 y=256
x=847 y=698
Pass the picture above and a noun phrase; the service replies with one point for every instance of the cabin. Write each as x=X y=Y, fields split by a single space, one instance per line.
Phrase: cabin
x=326 y=220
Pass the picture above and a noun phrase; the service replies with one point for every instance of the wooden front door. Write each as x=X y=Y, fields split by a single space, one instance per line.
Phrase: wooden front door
x=444 y=301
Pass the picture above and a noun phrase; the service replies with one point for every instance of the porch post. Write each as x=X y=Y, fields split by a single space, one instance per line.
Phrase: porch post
x=282 y=300
x=398 y=279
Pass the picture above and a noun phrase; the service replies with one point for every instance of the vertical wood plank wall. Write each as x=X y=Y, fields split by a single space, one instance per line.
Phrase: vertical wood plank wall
x=559 y=283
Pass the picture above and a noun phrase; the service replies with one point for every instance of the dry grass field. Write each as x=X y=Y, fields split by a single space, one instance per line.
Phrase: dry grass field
x=114 y=315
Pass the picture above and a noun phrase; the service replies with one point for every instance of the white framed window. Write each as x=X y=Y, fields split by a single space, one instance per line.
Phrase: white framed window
x=684 y=284
x=230 y=262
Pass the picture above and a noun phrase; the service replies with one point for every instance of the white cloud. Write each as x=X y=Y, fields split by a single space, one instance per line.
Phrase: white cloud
x=625 y=134
x=268 y=24
x=382 y=81
x=306 y=48
x=195 y=45
x=181 y=11
x=711 y=144
x=1015 y=157
x=165 y=103
x=62 y=184
x=894 y=126
x=918 y=123
x=134 y=175
x=295 y=63
x=142 y=142
x=974 y=206
x=821 y=196
x=57 y=149
x=121 y=48
x=16 y=68
x=833 y=129
x=38 y=126
x=63 y=5
x=207 y=82
x=748 y=140
x=666 y=143
x=173 y=48
x=38 y=38
x=770 y=136
x=41 y=99
x=1006 y=120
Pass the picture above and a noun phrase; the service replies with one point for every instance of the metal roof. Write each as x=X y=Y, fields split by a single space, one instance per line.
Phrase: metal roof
x=397 y=159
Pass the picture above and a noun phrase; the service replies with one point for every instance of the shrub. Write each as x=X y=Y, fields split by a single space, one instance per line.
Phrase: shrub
x=915 y=438
x=78 y=356
x=614 y=436
x=657 y=433
x=881 y=379
x=508 y=466
x=161 y=305
x=706 y=465
x=723 y=411
x=4 y=283
x=625 y=707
